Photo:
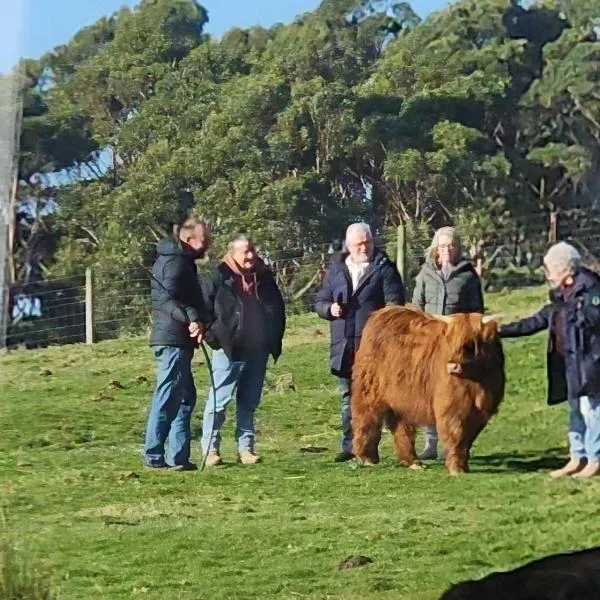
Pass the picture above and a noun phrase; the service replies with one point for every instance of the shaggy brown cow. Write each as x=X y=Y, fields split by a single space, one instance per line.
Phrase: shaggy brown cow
x=414 y=369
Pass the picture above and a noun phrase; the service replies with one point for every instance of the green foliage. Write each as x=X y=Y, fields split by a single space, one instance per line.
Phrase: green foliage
x=356 y=110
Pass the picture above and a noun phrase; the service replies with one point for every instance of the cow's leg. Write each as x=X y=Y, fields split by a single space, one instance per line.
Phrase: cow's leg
x=404 y=440
x=459 y=435
x=452 y=432
x=366 y=426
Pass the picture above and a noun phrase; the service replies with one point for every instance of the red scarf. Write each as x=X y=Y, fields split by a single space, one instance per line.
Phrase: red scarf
x=245 y=280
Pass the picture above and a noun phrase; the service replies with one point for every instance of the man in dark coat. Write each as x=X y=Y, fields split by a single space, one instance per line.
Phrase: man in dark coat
x=573 y=322
x=179 y=317
x=359 y=281
x=247 y=326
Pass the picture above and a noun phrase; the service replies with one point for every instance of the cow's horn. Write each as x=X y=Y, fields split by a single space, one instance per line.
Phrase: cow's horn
x=489 y=318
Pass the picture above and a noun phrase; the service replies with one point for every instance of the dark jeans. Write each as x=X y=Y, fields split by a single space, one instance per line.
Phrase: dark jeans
x=344 y=386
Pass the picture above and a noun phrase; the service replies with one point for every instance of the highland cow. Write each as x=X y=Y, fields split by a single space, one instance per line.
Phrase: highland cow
x=414 y=369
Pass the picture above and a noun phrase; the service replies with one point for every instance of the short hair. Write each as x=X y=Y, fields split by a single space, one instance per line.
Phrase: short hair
x=188 y=226
x=240 y=237
x=355 y=228
x=563 y=256
x=451 y=232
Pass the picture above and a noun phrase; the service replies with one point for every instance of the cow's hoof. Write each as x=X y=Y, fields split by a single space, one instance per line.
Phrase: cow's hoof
x=417 y=466
x=456 y=472
x=365 y=462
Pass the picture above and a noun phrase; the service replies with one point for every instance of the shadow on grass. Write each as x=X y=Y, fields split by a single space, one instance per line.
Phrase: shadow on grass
x=525 y=462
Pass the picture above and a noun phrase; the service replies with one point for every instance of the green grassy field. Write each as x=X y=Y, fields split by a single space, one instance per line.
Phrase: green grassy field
x=82 y=508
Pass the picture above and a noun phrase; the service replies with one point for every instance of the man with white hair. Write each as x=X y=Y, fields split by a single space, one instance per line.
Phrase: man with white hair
x=573 y=321
x=360 y=280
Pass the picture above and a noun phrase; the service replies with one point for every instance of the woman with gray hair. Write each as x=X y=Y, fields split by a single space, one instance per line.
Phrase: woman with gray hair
x=573 y=357
x=447 y=284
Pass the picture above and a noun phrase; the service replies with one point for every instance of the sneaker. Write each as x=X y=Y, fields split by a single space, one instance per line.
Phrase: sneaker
x=343 y=457
x=248 y=458
x=156 y=467
x=213 y=459
x=184 y=467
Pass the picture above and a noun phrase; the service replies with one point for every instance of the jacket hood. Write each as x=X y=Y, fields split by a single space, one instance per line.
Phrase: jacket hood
x=585 y=279
x=169 y=247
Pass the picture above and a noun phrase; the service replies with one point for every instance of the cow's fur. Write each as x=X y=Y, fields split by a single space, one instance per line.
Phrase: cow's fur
x=403 y=374
x=569 y=576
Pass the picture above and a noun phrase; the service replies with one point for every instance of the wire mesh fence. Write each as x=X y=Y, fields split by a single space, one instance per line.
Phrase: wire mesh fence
x=112 y=303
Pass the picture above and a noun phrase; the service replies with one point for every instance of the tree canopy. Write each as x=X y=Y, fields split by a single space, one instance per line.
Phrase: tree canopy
x=483 y=114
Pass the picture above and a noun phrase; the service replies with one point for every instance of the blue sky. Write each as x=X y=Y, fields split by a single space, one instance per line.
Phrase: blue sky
x=30 y=28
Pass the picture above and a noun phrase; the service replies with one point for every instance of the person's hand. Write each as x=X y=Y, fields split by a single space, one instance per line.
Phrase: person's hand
x=196 y=329
x=336 y=310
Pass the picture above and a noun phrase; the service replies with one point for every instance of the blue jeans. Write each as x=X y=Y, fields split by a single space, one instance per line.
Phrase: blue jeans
x=584 y=428
x=246 y=379
x=172 y=406
x=344 y=386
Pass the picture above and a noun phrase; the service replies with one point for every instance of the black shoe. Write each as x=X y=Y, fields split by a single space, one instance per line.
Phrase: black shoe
x=185 y=467
x=344 y=457
x=158 y=467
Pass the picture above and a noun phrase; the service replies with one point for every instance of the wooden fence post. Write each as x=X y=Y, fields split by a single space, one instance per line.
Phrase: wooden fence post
x=401 y=250
x=553 y=229
x=479 y=266
x=89 y=307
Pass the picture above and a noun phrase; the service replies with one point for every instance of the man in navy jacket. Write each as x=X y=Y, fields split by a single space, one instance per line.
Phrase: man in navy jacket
x=360 y=280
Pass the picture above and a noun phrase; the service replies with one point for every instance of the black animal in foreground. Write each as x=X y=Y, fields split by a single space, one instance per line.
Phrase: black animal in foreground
x=567 y=576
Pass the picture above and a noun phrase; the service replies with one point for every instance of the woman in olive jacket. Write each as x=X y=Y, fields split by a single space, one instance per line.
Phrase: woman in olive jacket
x=446 y=285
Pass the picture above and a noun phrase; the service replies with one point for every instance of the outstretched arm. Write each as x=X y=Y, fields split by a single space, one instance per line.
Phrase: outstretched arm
x=537 y=322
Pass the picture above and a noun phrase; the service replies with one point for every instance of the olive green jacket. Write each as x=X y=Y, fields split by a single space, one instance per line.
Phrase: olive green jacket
x=460 y=292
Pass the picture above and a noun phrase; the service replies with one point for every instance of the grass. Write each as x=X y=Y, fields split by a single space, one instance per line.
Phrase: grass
x=18 y=580
x=85 y=511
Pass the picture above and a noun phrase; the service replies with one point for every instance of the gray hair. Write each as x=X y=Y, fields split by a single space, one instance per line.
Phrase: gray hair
x=431 y=252
x=563 y=256
x=355 y=228
x=240 y=237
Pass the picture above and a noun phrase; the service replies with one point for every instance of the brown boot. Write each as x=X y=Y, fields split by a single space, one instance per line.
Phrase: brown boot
x=248 y=458
x=213 y=459
x=591 y=470
x=572 y=467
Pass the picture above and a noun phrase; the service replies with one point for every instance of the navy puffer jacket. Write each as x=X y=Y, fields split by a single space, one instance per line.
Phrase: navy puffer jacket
x=176 y=296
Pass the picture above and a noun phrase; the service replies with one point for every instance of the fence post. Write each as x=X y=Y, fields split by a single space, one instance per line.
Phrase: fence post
x=553 y=229
x=89 y=307
x=401 y=250
x=479 y=266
